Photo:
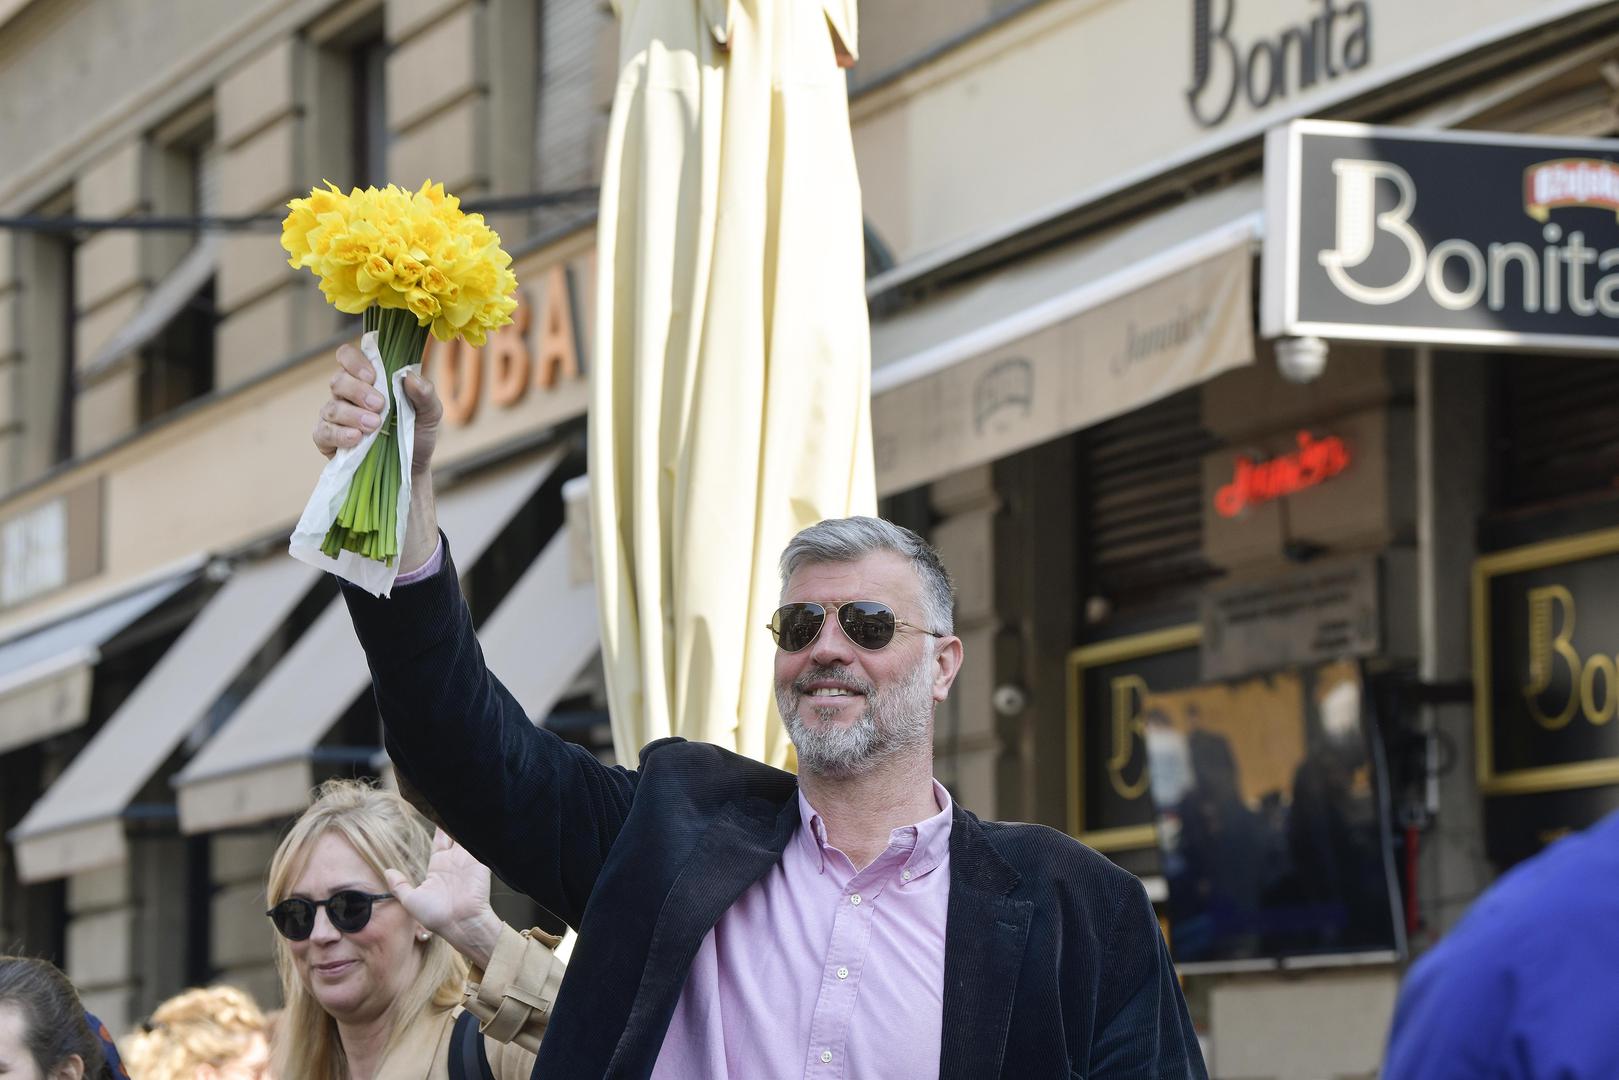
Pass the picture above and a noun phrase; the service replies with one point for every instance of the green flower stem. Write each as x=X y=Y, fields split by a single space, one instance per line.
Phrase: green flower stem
x=368 y=521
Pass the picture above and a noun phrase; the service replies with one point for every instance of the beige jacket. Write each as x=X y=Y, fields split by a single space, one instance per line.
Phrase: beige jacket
x=512 y=1001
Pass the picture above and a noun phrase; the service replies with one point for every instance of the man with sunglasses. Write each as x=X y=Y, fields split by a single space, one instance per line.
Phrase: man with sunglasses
x=735 y=920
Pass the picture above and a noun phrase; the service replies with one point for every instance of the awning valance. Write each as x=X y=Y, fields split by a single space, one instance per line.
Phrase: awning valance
x=1064 y=341
x=78 y=823
x=45 y=675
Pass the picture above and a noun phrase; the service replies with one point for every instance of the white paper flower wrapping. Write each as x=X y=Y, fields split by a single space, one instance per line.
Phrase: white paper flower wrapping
x=333 y=486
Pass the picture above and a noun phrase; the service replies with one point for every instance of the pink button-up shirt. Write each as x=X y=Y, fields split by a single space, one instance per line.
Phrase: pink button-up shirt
x=819 y=970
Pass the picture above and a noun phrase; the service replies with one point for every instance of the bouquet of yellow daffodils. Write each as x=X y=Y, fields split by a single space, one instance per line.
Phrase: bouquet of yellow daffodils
x=410 y=264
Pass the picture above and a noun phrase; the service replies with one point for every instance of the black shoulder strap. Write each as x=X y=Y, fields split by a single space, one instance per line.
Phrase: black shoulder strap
x=467 y=1058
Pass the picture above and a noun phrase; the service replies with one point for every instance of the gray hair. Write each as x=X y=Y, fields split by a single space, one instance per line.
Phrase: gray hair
x=838 y=540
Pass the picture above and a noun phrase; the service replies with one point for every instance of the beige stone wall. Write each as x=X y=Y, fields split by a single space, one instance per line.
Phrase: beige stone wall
x=77 y=117
x=265 y=311
x=111 y=280
x=1012 y=125
x=438 y=95
x=100 y=932
x=241 y=469
x=967 y=746
x=461 y=87
x=70 y=70
x=241 y=945
x=126 y=931
x=284 y=125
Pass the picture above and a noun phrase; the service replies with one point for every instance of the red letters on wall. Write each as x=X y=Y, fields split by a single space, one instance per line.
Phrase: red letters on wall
x=1314 y=462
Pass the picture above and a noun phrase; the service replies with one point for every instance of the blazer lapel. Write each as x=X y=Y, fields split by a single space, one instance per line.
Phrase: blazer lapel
x=735 y=851
x=985 y=933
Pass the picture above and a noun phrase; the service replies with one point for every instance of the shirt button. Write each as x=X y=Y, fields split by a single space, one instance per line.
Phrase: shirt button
x=843 y=973
x=826 y=1056
x=905 y=875
x=855 y=899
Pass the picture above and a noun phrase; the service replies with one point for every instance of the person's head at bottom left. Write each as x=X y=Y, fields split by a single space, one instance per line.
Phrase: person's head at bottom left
x=43 y=1031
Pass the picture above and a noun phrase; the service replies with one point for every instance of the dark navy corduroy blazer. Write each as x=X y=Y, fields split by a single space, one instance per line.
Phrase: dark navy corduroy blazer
x=1054 y=966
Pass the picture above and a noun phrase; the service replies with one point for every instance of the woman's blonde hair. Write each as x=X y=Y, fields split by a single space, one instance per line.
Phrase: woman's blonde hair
x=214 y=1026
x=387 y=834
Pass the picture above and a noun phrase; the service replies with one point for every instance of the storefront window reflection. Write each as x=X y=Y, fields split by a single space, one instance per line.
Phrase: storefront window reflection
x=1268 y=817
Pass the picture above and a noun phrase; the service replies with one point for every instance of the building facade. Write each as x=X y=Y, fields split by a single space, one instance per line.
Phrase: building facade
x=1204 y=544
x=1073 y=396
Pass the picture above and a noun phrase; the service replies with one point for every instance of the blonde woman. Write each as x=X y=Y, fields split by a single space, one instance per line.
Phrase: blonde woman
x=212 y=1033
x=375 y=969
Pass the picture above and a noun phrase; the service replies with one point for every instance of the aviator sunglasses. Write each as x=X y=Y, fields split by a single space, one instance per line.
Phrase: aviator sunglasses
x=349 y=910
x=868 y=624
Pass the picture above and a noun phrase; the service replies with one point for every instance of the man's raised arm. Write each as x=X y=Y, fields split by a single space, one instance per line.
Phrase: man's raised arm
x=541 y=812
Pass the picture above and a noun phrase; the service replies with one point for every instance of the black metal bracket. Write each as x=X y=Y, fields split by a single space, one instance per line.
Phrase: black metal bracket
x=1454 y=692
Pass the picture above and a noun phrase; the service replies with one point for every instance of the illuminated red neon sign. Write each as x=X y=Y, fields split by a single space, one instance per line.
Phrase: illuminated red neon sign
x=1255 y=482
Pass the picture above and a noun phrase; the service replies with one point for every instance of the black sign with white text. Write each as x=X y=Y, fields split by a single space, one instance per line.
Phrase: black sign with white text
x=1446 y=237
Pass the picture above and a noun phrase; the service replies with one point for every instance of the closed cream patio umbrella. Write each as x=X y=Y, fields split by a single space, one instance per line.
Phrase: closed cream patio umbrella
x=730 y=398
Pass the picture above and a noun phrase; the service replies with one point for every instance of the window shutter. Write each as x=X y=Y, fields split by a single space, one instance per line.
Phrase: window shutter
x=1142 y=492
x=1559 y=425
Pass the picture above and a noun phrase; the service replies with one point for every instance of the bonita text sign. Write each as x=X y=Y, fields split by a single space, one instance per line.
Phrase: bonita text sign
x=1323 y=44
x=1498 y=241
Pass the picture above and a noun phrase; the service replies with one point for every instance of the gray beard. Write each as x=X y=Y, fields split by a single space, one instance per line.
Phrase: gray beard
x=895 y=721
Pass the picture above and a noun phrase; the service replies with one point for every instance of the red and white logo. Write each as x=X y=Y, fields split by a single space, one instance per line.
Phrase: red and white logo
x=1570 y=182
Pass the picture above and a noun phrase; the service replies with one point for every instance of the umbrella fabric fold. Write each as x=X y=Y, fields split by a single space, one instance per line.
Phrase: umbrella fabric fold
x=731 y=393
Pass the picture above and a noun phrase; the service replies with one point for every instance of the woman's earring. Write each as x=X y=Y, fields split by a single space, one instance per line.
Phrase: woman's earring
x=423 y=936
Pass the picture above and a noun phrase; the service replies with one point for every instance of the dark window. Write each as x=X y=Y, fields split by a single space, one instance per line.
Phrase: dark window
x=577 y=50
x=179 y=364
x=177 y=360
x=58 y=253
x=368 y=122
x=1556 y=421
x=349 y=122
x=33 y=918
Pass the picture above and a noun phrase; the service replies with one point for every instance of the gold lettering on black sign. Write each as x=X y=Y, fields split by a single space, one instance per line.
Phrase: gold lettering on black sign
x=1129 y=731
x=1591 y=682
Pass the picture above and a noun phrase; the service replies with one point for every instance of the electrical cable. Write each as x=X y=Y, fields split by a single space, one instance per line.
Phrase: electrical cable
x=43 y=223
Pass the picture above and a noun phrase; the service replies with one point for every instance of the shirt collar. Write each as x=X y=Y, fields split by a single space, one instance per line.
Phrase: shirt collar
x=932 y=836
x=929 y=838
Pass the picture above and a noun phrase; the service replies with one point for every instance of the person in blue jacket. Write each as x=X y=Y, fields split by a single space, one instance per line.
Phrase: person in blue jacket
x=1526 y=985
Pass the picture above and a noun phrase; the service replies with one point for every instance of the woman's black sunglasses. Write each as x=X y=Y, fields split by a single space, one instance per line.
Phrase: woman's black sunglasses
x=867 y=623
x=349 y=910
